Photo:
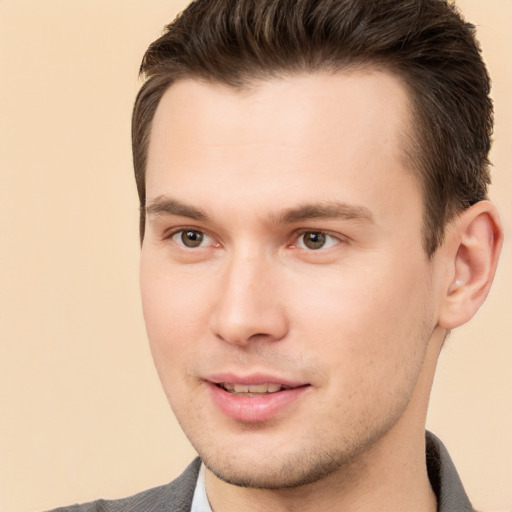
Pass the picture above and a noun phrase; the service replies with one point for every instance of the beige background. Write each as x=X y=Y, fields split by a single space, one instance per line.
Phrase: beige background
x=81 y=411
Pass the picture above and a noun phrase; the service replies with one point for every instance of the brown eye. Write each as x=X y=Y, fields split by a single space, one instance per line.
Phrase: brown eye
x=314 y=240
x=191 y=238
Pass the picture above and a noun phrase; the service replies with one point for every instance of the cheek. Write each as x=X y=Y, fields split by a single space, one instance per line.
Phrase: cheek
x=365 y=319
x=174 y=312
x=171 y=297
x=171 y=318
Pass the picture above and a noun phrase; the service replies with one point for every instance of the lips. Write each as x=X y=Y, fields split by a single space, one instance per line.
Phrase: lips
x=252 y=389
x=254 y=398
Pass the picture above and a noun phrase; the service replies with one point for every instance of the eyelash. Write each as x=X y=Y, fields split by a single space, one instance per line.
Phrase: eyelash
x=298 y=243
x=323 y=233
x=181 y=231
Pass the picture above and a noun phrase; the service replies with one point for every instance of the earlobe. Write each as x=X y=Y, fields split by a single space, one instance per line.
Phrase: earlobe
x=476 y=237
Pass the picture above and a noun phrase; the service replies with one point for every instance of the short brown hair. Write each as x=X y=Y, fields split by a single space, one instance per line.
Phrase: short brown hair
x=426 y=42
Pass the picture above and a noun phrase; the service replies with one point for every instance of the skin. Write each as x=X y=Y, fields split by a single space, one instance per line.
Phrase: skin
x=358 y=322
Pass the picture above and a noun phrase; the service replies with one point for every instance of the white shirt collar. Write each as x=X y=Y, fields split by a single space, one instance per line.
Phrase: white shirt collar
x=200 y=501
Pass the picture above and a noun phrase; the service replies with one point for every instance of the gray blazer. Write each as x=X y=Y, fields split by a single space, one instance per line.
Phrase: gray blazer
x=177 y=496
x=174 y=497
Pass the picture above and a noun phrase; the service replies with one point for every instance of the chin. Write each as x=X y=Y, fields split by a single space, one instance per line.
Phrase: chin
x=289 y=474
x=281 y=471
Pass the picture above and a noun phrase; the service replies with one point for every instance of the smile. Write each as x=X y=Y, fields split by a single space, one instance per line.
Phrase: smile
x=252 y=389
x=253 y=402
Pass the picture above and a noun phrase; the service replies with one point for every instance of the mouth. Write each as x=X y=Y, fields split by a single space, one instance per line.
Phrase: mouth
x=252 y=390
x=255 y=398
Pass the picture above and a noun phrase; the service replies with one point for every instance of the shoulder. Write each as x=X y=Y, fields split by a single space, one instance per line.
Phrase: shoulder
x=173 y=497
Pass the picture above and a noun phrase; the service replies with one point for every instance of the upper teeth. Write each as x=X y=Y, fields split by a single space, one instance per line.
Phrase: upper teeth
x=252 y=388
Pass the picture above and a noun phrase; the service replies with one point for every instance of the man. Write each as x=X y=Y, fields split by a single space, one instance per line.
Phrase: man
x=314 y=222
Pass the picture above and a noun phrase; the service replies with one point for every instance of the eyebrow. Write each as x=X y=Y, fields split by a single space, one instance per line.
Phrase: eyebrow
x=164 y=205
x=325 y=210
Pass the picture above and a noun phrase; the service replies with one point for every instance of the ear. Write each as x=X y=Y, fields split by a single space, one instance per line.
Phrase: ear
x=474 y=241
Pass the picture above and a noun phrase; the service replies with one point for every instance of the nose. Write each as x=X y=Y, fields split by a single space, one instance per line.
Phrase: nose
x=249 y=306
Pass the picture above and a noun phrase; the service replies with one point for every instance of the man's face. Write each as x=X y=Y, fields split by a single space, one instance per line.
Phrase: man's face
x=288 y=300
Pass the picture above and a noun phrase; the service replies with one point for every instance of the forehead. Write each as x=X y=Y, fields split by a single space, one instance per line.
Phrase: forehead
x=297 y=132
x=344 y=101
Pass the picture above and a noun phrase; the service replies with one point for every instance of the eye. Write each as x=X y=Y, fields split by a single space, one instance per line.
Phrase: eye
x=315 y=240
x=191 y=238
